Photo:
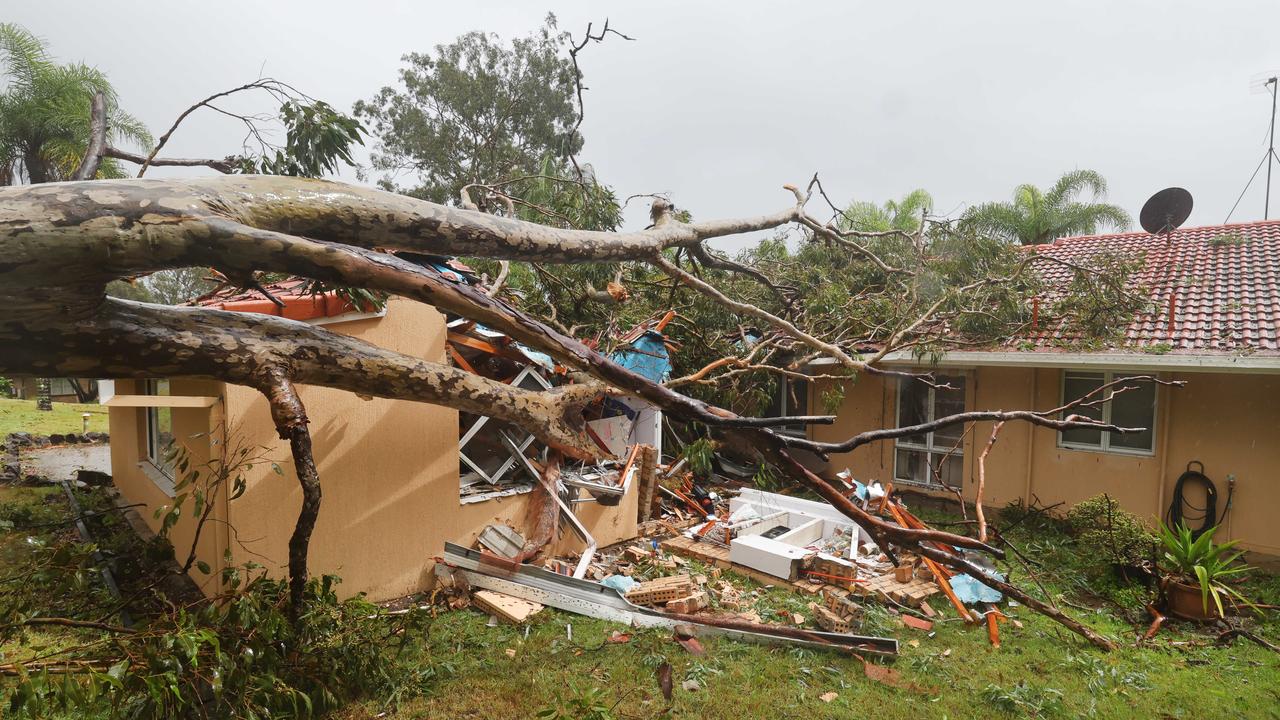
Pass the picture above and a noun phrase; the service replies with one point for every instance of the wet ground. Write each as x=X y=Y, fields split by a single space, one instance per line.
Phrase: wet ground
x=62 y=462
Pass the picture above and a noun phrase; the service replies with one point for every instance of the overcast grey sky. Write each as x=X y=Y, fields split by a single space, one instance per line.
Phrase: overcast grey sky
x=720 y=104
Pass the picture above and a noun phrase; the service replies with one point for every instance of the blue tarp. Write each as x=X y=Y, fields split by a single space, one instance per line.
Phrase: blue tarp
x=646 y=356
x=971 y=591
x=621 y=583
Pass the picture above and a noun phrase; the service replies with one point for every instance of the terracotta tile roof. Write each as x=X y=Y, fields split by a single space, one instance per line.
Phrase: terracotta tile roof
x=1219 y=284
x=298 y=304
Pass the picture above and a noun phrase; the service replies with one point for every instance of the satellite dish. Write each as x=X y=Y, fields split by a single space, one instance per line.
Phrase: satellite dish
x=1166 y=211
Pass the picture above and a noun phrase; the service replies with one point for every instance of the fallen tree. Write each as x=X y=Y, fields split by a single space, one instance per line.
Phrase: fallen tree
x=63 y=242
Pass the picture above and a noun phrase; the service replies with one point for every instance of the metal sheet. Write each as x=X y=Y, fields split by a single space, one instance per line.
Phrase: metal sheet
x=592 y=599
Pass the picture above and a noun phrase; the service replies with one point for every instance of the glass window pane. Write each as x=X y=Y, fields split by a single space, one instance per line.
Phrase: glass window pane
x=1074 y=387
x=948 y=401
x=1134 y=408
x=159 y=427
x=913 y=408
x=912 y=466
x=948 y=468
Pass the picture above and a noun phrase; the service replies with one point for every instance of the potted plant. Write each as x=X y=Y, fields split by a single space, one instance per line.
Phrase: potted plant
x=1195 y=570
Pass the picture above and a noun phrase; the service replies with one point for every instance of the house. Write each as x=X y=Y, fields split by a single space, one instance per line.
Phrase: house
x=65 y=390
x=399 y=478
x=1213 y=322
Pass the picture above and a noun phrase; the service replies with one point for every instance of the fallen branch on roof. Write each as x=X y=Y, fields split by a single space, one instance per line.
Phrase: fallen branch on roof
x=64 y=242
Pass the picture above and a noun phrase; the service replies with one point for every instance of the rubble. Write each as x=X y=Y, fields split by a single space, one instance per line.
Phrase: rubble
x=695 y=544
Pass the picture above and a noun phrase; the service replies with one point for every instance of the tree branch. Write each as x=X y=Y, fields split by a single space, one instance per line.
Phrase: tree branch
x=290 y=418
x=97 y=139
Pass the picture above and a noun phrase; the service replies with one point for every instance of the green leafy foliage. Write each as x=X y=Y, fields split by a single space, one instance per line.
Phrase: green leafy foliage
x=475 y=110
x=700 y=455
x=1098 y=303
x=1106 y=530
x=243 y=658
x=318 y=140
x=1202 y=562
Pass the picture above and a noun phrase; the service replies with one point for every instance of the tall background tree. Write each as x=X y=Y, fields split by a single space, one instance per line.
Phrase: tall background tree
x=905 y=214
x=475 y=111
x=1035 y=216
x=44 y=113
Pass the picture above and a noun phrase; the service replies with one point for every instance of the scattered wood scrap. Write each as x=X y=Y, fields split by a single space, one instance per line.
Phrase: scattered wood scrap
x=511 y=609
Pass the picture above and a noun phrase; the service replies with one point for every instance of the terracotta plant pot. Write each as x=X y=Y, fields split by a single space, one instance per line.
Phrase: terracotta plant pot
x=1185 y=601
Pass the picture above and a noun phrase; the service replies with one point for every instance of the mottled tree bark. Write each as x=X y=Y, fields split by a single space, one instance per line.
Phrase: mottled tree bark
x=290 y=418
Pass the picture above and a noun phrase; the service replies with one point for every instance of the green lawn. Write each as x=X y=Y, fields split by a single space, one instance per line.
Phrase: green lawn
x=22 y=416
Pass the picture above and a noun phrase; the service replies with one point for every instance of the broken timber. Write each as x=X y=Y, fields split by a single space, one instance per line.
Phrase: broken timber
x=595 y=600
x=512 y=609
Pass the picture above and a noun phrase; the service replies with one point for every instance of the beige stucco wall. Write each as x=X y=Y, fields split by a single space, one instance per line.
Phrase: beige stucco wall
x=191 y=428
x=1230 y=422
x=388 y=470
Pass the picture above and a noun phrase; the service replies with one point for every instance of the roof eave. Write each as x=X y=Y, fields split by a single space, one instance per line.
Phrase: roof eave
x=1180 y=362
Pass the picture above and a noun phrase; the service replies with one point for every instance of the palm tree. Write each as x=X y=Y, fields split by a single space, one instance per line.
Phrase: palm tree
x=1036 y=216
x=44 y=121
x=904 y=214
x=44 y=113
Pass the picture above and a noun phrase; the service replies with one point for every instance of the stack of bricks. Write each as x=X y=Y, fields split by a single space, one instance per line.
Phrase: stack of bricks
x=688 y=605
x=912 y=592
x=844 y=607
x=661 y=590
x=829 y=621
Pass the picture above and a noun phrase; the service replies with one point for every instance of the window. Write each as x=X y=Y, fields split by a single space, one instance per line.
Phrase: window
x=487 y=466
x=1131 y=408
x=790 y=398
x=159 y=429
x=934 y=458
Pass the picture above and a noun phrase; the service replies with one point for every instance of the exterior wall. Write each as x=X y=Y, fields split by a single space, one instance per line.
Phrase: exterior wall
x=1230 y=422
x=191 y=427
x=388 y=469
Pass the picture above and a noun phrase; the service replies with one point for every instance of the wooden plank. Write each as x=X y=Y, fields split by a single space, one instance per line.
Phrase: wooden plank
x=458 y=358
x=511 y=609
x=171 y=401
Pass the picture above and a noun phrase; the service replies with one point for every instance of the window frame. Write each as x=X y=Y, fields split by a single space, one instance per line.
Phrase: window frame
x=1104 y=443
x=928 y=448
x=153 y=463
x=782 y=390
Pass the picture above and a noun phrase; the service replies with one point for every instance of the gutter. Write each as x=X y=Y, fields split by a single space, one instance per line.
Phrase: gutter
x=1248 y=364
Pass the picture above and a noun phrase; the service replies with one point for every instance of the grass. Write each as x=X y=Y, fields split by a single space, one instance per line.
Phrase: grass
x=1041 y=670
x=22 y=416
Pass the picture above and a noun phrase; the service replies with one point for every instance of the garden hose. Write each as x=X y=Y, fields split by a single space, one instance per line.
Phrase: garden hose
x=1208 y=514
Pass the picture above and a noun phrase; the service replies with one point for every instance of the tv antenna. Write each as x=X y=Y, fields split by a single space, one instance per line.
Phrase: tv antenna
x=1166 y=211
x=1258 y=84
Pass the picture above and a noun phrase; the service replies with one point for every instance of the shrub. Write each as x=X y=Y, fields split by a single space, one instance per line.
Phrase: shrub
x=243 y=658
x=1106 y=531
